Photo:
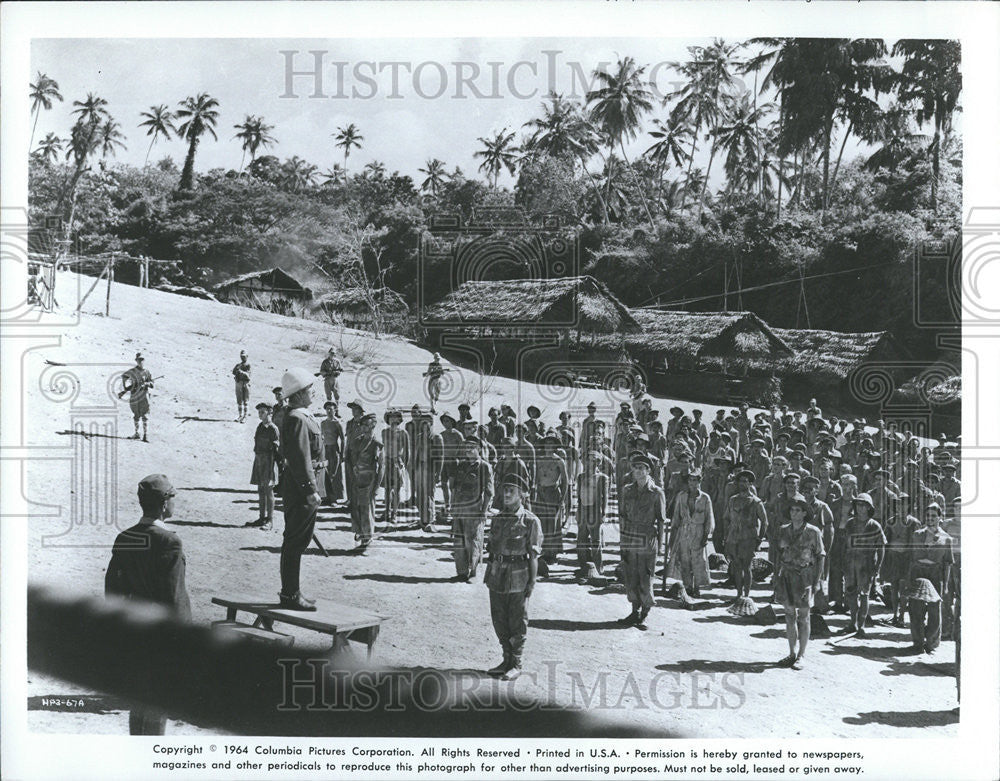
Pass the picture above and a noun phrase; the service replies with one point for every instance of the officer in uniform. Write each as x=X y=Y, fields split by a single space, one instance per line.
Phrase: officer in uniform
x=364 y=464
x=241 y=374
x=147 y=563
x=641 y=513
x=471 y=496
x=136 y=382
x=451 y=445
x=514 y=547
x=303 y=484
x=330 y=370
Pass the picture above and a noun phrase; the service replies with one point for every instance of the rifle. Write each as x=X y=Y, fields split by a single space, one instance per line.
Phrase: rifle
x=143 y=386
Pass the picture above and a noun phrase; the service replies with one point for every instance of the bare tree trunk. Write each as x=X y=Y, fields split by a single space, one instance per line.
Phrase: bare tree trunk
x=836 y=168
x=694 y=145
x=638 y=187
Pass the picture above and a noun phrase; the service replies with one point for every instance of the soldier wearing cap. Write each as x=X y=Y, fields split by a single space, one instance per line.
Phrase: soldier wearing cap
x=396 y=452
x=330 y=370
x=716 y=487
x=534 y=428
x=526 y=452
x=471 y=496
x=693 y=522
x=265 y=456
x=925 y=616
x=514 y=546
x=790 y=484
x=641 y=511
x=352 y=429
x=549 y=501
x=588 y=425
x=136 y=382
x=428 y=456
x=241 y=375
x=882 y=497
x=799 y=574
x=333 y=447
x=363 y=461
x=278 y=411
x=147 y=563
x=303 y=484
x=758 y=461
x=508 y=462
x=495 y=430
x=949 y=485
x=820 y=515
x=745 y=522
x=864 y=553
x=899 y=529
x=932 y=551
x=592 y=506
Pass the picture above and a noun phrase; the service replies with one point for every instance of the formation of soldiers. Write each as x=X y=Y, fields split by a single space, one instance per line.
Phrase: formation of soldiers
x=849 y=511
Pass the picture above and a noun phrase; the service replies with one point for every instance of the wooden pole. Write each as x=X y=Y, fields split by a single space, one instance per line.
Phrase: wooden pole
x=111 y=278
x=91 y=290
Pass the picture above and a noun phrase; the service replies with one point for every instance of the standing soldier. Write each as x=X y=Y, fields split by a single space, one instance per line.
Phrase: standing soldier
x=351 y=431
x=865 y=549
x=451 y=446
x=396 y=449
x=241 y=374
x=932 y=552
x=363 y=462
x=509 y=462
x=526 y=452
x=592 y=507
x=147 y=563
x=136 y=382
x=746 y=520
x=691 y=527
x=303 y=486
x=550 y=498
x=333 y=445
x=758 y=461
x=534 y=427
x=412 y=427
x=426 y=468
x=265 y=455
x=434 y=374
x=568 y=436
x=278 y=411
x=641 y=514
x=588 y=425
x=471 y=496
x=899 y=529
x=514 y=547
x=330 y=370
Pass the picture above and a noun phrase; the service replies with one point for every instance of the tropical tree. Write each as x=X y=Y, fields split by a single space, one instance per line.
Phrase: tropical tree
x=49 y=148
x=375 y=170
x=298 y=174
x=111 y=138
x=254 y=134
x=200 y=115
x=739 y=138
x=43 y=91
x=498 y=153
x=894 y=138
x=616 y=108
x=348 y=138
x=159 y=121
x=435 y=175
x=668 y=148
x=85 y=140
x=334 y=175
x=931 y=78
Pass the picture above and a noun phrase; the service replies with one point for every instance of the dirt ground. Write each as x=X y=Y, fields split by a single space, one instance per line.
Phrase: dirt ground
x=697 y=673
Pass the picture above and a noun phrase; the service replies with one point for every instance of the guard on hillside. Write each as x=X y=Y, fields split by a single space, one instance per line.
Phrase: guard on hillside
x=241 y=375
x=434 y=374
x=514 y=546
x=330 y=370
x=303 y=483
x=136 y=382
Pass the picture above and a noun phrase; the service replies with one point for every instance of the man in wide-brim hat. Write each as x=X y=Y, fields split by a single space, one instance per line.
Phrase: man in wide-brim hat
x=746 y=522
x=864 y=553
x=801 y=558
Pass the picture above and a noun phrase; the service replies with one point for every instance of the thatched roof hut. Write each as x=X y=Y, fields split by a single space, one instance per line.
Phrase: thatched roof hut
x=581 y=303
x=274 y=290
x=704 y=339
x=354 y=307
x=833 y=355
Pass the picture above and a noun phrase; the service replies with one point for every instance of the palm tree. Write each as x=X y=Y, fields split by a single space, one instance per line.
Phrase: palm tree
x=49 y=148
x=43 y=92
x=159 y=122
x=254 y=134
x=931 y=78
x=671 y=136
x=895 y=138
x=739 y=138
x=334 y=175
x=435 y=174
x=110 y=136
x=298 y=174
x=616 y=107
x=85 y=139
x=375 y=170
x=200 y=115
x=348 y=138
x=497 y=153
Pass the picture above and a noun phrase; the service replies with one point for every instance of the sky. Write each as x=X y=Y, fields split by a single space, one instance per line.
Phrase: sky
x=411 y=100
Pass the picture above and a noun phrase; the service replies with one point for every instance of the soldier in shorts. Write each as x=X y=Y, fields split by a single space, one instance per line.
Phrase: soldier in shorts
x=136 y=382
x=865 y=549
x=801 y=557
x=746 y=520
x=241 y=375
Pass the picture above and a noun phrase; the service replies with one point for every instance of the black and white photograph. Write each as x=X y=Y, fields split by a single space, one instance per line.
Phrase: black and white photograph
x=490 y=404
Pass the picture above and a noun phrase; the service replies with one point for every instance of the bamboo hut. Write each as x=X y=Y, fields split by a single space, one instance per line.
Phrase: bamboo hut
x=718 y=356
x=379 y=310
x=274 y=290
x=824 y=361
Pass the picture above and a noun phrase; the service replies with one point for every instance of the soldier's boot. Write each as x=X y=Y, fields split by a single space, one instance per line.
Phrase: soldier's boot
x=295 y=602
x=631 y=618
x=501 y=668
x=641 y=620
x=145 y=437
x=513 y=668
x=136 y=434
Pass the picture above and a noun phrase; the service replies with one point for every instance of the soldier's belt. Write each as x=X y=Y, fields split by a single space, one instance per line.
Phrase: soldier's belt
x=513 y=557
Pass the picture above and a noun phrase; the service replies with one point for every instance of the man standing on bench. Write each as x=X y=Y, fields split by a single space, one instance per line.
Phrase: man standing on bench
x=147 y=563
x=303 y=483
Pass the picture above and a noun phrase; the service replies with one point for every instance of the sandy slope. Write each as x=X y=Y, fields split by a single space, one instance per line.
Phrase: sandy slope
x=701 y=673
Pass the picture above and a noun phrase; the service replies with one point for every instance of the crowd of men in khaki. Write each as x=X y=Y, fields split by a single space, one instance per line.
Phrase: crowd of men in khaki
x=848 y=511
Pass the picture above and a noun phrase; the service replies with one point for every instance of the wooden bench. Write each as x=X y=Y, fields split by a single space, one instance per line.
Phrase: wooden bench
x=341 y=622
